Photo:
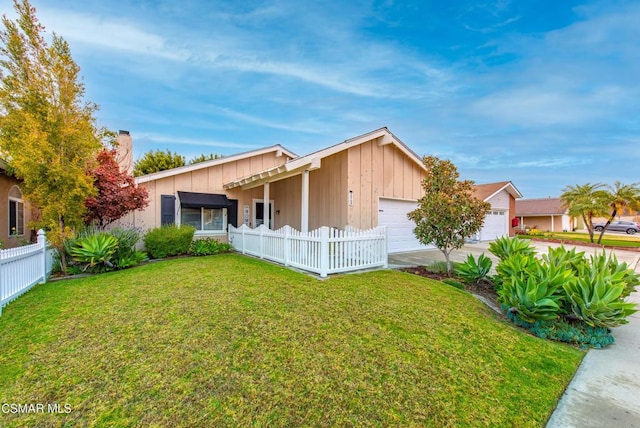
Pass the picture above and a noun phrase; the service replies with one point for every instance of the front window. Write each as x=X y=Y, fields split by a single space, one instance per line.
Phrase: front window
x=16 y=212
x=204 y=219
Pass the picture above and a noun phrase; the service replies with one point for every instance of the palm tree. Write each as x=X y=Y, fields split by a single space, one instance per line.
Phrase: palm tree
x=586 y=201
x=621 y=198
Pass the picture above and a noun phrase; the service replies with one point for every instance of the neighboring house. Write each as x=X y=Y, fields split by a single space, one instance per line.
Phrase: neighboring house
x=545 y=214
x=500 y=218
x=15 y=213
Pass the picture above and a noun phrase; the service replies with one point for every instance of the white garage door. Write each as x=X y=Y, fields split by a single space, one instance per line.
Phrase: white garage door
x=392 y=213
x=494 y=226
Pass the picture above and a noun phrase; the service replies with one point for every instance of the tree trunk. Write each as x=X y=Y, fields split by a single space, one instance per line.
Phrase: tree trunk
x=613 y=215
x=446 y=257
x=63 y=254
x=589 y=227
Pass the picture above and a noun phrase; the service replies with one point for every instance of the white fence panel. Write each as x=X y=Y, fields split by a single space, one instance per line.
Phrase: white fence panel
x=323 y=251
x=23 y=267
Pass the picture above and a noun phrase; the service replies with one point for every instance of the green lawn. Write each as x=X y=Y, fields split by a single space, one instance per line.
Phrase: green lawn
x=609 y=239
x=232 y=341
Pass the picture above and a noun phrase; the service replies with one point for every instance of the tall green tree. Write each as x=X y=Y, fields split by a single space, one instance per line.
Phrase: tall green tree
x=585 y=201
x=154 y=161
x=449 y=212
x=620 y=198
x=47 y=132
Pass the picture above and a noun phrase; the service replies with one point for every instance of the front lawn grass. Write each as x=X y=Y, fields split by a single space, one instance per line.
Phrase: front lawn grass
x=232 y=341
x=608 y=240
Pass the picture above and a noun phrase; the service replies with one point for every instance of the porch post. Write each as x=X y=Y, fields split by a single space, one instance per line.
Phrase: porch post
x=553 y=229
x=266 y=211
x=304 y=210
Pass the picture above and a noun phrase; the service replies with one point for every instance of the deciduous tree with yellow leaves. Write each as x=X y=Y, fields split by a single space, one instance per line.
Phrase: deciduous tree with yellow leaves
x=48 y=134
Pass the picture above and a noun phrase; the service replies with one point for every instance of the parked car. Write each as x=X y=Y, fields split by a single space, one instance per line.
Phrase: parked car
x=619 y=226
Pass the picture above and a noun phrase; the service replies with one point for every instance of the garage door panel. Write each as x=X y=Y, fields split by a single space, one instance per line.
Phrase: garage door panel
x=494 y=225
x=393 y=214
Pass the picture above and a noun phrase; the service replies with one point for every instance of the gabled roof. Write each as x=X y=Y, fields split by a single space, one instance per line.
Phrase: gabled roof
x=487 y=191
x=220 y=161
x=541 y=206
x=313 y=160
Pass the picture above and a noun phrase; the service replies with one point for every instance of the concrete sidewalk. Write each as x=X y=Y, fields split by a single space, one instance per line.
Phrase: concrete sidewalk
x=605 y=391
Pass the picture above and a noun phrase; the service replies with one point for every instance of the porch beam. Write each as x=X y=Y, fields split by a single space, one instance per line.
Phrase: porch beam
x=304 y=209
x=266 y=212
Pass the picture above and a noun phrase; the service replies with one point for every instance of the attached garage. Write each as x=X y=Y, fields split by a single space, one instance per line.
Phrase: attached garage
x=392 y=213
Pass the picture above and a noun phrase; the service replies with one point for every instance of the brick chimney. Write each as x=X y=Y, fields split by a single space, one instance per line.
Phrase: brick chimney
x=124 y=151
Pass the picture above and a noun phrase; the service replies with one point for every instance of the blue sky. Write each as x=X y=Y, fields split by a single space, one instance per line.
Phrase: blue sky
x=542 y=93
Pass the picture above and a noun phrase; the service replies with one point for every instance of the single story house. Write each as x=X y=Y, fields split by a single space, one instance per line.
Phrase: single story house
x=16 y=214
x=499 y=221
x=367 y=181
x=545 y=214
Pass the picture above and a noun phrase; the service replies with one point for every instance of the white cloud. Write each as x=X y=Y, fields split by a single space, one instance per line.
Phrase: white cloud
x=119 y=35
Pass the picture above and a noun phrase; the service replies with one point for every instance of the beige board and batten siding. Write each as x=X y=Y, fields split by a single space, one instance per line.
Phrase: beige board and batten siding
x=205 y=180
x=370 y=170
x=379 y=171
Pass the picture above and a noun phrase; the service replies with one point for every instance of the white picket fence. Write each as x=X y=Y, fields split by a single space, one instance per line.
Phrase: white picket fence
x=23 y=267
x=323 y=251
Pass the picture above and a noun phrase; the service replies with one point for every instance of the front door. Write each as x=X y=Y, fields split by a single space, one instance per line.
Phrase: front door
x=258 y=213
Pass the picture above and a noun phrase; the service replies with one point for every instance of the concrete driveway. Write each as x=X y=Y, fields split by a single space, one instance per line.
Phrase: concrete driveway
x=605 y=391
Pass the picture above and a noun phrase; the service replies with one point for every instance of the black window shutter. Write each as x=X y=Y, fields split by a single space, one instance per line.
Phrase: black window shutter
x=232 y=213
x=167 y=209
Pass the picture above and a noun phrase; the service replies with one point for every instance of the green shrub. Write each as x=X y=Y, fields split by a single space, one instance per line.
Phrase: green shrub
x=505 y=247
x=596 y=295
x=208 y=246
x=127 y=240
x=169 y=240
x=535 y=232
x=95 y=252
x=439 y=267
x=452 y=282
x=132 y=259
x=472 y=271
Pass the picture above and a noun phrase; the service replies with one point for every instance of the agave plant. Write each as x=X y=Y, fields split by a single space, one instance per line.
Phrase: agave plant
x=472 y=271
x=560 y=256
x=95 y=250
x=516 y=265
x=505 y=247
x=534 y=291
x=596 y=296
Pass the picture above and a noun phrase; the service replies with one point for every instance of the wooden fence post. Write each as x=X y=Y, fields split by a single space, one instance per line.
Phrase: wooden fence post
x=324 y=251
x=42 y=240
x=385 y=248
